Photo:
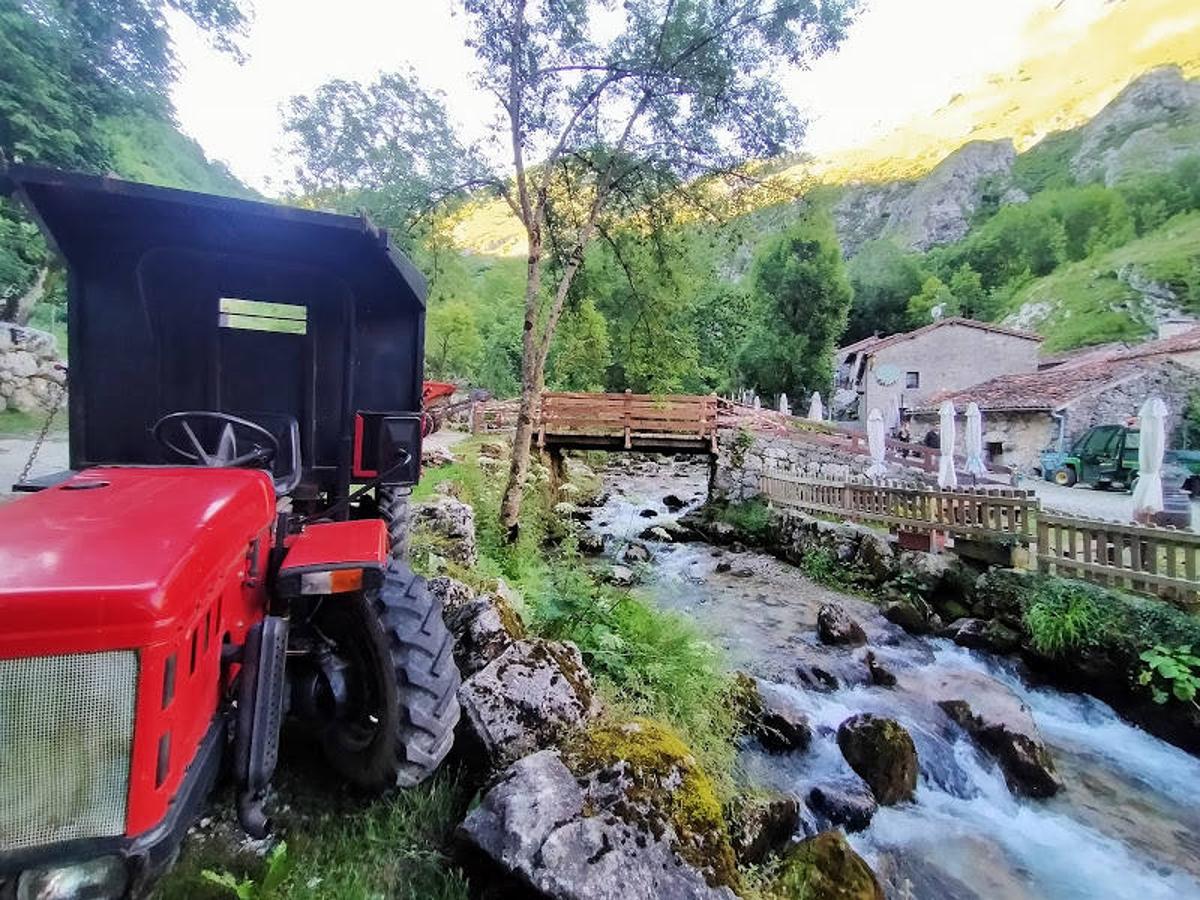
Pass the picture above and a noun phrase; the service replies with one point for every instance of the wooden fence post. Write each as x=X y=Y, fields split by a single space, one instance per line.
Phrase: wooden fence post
x=626 y=418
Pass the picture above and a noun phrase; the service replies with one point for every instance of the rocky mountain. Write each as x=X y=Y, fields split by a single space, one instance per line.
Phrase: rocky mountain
x=1151 y=124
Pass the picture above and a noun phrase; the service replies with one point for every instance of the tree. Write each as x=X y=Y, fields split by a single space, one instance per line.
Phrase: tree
x=387 y=147
x=934 y=301
x=883 y=277
x=452 y=342
x=969 y=297
x=622 y=119
x=581 y=354
x=803 y=297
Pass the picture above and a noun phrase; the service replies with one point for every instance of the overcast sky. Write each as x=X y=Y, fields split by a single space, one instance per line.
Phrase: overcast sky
x=903 y=59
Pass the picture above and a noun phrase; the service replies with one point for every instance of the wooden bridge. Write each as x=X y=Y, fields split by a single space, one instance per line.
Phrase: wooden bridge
x=641 y=422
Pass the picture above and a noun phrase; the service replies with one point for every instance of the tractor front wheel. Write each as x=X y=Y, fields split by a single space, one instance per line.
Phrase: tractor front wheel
x=393 y=509
x=1064 y=476
x=401 y=683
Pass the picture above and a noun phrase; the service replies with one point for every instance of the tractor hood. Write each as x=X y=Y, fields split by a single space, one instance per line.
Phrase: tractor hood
x=123 y=557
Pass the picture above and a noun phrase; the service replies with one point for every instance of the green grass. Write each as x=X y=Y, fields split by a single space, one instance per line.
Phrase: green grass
x=1089 y=304
x=751 y=518
x=336 y=847
x=646 y=661
x=1065 y=616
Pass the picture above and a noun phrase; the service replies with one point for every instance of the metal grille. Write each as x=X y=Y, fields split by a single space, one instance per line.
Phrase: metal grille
x=66 y=729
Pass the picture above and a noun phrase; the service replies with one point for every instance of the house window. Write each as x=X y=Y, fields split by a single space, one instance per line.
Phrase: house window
x=912 y=380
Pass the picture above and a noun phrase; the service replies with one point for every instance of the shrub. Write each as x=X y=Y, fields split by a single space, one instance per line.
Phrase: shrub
x=1064 y=616
x=751 y=518
x=1171 y=672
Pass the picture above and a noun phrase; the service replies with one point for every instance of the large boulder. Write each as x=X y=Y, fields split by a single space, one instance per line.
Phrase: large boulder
x=537 y=827
x=452 y=525
x=640 y=772
x=1002 y=725
x=846 y=802
x=912 y=613
x=532 y=695
x=883 y=755
x=825 y=867
x=760 y=826
x=876 y=556
x=452 y=592
x=834 y=626
x=483 y=629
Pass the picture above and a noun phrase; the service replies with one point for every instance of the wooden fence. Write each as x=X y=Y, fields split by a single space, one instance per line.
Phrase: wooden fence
x=1145 y=559
x=627 y=420
x=494 y=415
x=984 y=513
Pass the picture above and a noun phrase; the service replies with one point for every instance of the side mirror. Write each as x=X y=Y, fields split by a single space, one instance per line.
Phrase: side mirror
x=388 y=445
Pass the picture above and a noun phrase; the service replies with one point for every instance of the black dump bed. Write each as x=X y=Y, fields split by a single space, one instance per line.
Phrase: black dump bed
x=185 y=301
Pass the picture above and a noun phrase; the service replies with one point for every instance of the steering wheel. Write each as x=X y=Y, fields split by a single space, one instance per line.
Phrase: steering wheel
x=262 y=446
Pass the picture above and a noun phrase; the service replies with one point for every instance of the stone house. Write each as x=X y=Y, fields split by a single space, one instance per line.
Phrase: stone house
x=1027 y=413
x=912 y=367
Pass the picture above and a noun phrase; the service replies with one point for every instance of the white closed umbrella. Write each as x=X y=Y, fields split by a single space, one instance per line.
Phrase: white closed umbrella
x=816 y=410
x=783 y=405
x=1148 y=493
x=877 y=444
x=893 y=416
x=974 y=437
x=947 y=478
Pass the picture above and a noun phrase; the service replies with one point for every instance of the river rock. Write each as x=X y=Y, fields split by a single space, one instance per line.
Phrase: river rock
x=876 y=556
x=818 y=669
x=724 y=565
x=825 y=867
x=782 y=726
x=636 y=553
x=834 y=626
x=532 y=826
x=592 y=543
x=847 y=802
x=621 y=576
x=483 y=629
x=883 y=754
x=673 y=502
x=759 y=826
x=913 y=614
x=648 y=513
x=530 y=696
x=969 y=633
x=452 y=523
x=656 y=533
x=880 y=674
x=1003 y=726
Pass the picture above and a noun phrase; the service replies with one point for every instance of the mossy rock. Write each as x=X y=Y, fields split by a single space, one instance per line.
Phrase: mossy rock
x=746 y=701
x=641 y=771
x=825 y=867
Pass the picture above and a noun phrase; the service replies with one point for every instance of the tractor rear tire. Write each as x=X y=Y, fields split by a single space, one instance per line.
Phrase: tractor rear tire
x=407 y=652
x=394 y=510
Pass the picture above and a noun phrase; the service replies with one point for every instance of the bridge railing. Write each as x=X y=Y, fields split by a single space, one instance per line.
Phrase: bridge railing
x=972 y=512
x=627 y=417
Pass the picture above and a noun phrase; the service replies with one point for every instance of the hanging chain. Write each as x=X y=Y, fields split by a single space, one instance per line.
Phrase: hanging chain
x=53 y=407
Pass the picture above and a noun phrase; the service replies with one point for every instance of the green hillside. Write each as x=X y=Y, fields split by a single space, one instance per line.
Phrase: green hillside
x=1098 y=299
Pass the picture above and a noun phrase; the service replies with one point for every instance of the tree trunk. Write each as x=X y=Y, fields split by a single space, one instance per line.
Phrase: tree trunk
x=532 y=379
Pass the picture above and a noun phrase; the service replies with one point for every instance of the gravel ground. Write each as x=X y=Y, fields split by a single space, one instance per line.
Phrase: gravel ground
x=1084 y=501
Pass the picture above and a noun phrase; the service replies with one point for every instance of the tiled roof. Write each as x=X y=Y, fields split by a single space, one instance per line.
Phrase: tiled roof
x=862 y=344
x=876 y=344
x=1048 y=389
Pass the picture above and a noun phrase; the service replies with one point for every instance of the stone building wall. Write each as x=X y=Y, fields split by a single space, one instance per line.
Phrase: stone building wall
x=1170 y=381
x=742 y=457
x=949 y=358
x=30 y=373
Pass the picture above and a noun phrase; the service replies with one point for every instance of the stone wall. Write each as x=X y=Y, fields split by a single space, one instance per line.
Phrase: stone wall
x=742 y=457
x=1114 y=404
x=30 y=373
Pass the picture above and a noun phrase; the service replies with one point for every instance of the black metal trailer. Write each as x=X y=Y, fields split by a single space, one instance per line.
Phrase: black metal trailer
x=186 y=301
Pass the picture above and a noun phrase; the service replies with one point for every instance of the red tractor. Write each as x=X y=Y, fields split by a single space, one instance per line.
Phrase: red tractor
x=245 y=423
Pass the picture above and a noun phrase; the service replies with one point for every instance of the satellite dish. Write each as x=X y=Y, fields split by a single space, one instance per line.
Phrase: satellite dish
x=887 y=374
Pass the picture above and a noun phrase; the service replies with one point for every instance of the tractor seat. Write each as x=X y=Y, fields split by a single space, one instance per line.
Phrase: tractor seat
x=287 y=466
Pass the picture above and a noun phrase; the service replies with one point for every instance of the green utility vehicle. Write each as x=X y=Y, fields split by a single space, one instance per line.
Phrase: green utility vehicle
x=1106 y=458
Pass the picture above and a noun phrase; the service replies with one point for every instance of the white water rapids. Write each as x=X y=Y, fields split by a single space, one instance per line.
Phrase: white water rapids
x=1126 y=825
